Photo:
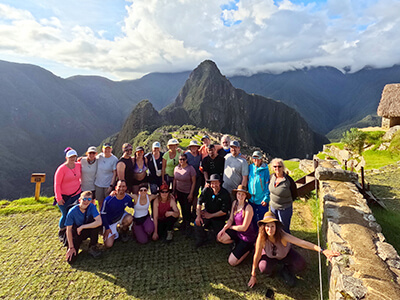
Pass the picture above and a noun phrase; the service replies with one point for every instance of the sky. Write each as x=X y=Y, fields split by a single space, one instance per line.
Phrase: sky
x=126 y=39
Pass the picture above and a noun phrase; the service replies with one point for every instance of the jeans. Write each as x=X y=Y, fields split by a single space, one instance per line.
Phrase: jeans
x=69 y=203
x=285 y=216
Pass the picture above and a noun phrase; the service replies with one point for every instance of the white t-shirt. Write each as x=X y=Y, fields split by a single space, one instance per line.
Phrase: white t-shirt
x=88 y=174
x=234 y=170
x=105 y=169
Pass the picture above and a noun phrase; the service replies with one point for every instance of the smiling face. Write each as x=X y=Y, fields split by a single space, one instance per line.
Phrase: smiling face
x=241 y=196
x=91 y=155
x=71 y=159
x=212 y=152
x=257 y=161
x=270 y=228
x=107 y=151
x=121 y=188
x=235 y=150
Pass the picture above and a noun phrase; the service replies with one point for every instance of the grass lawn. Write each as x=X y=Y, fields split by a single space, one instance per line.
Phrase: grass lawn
x=32 y=265
x=376 y=159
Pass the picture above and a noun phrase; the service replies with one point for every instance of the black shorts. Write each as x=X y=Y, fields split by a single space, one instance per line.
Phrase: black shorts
x=242 y=247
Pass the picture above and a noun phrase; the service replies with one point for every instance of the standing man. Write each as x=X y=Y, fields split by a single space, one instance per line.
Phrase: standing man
x=217 y=203
x=113 y=215
x=83 y=221
x=224 y=149
x=236 y=169
x=154 y=163
x=212 y=163
x=203 y=149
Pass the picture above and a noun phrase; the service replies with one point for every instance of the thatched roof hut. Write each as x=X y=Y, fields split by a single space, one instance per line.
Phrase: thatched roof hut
x=389 y=106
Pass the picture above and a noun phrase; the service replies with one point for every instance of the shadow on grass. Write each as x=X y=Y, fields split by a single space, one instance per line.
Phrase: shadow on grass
x=179 y=271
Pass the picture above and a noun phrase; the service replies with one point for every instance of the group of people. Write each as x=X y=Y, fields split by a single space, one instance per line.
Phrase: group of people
x=226 y=199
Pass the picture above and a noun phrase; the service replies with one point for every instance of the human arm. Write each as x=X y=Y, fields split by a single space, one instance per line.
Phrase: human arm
x=58 y=178
x=121 y=170
x=247 y=220
x=228 y=223
x=114 y=178
x=175 y=212
x=244 y=180
x=164 y=165
x=96 y=223
x=155 y=220
x=265 y=200
x=307 y=245
x=293 y=187
x=71 y=249
x=256 y=260
x=193 y=180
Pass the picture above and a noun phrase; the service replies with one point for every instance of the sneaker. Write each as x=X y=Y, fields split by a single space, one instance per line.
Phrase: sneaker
x=124 y=236
x=170 y=235
x=94 y=251
x=288 y=277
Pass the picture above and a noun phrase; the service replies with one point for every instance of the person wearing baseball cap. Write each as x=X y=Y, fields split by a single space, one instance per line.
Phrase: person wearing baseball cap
x=67 y=188
x=106 y=174
x=258 y=186
x=125 y=167
x=89 y=169
x=203 y=149
x=276 y=244
x=154 y=159
x=217 y=204
x=170 y=161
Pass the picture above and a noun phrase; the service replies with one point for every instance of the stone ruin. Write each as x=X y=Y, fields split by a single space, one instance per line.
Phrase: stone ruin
x=368 y=267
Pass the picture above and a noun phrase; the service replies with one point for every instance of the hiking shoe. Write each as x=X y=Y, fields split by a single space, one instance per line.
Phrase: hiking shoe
x=288 y=277
x=170 y=235
x=124 y=236
x=94 y=251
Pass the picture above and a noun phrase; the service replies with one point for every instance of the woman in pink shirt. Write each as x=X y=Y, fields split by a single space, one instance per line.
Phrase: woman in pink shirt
x=67 y=186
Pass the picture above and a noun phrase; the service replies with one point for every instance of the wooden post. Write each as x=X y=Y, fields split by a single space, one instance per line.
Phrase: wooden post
x=38 y=178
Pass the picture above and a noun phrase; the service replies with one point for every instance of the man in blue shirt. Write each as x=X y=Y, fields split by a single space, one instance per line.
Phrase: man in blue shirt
x=83 y=221
x=113 y=215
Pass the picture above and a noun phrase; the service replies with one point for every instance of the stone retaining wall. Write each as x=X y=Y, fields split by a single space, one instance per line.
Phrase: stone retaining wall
x=369 y=267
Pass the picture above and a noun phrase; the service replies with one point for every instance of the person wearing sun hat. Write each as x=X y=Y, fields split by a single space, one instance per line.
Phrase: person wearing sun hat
x=170 y=161
x=239 y=229
x=258 y=186
x=273 y=250
x=194 y=160
x=154 y=159
x=106 y=173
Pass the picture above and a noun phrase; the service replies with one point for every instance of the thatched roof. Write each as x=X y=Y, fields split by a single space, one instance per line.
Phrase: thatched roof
x=389 y=106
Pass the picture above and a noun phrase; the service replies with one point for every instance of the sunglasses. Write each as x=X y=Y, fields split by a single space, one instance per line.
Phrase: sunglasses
x=277 y=166
x=143 y=190
x=273 y=250
x=87 y=199
x=182 y=159
x=163 y=192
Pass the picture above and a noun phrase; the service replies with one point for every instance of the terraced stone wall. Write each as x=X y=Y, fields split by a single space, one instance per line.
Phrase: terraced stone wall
x=368 y=267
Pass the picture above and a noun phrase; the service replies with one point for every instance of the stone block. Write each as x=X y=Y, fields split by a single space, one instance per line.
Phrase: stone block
x=389 y=134
x=322 y=173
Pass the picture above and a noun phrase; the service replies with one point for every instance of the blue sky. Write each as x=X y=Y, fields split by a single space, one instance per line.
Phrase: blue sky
x=125 y=39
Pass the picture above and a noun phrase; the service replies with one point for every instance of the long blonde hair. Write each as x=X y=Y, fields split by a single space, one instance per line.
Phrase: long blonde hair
x=280 y=162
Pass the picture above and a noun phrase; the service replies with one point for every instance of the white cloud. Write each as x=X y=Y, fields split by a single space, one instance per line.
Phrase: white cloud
x=169 y=36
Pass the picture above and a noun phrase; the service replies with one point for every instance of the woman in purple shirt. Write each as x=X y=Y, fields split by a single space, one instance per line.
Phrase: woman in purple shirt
x=239 y=228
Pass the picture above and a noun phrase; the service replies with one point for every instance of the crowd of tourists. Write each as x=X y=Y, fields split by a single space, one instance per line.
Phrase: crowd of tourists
x=221 y=199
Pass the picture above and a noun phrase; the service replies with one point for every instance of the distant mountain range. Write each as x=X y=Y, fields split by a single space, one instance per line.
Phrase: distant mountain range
x=41 y=114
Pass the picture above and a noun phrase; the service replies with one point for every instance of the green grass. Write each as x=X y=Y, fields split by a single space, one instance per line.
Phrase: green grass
x=26 y=205
x=295 y=172
x=389 y=221
x=339 y=145
x=376 y=159
x=374 y=137
x=33 y=266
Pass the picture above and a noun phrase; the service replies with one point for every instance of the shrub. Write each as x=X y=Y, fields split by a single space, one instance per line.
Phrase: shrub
x=354 y=139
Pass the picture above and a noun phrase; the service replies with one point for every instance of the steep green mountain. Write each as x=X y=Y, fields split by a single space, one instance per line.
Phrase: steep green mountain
x=208 y=100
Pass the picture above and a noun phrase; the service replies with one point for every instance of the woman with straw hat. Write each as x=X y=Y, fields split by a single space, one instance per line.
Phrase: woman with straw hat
x=170 y=161
x=239 y=228
x=274 y=252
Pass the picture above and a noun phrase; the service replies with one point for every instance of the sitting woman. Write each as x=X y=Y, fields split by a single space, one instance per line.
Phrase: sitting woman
x=239 y=228
x=139 y=169
x=273 y=250
x=165 y=214
x=143 y=226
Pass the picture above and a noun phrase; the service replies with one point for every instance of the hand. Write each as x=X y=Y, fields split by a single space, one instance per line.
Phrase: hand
x=79 y=230
x=70 y=253
x=206 y=215
x=155 y=236
x=168 y=213
x=61 y=202
x=264 y=203
x=190 y=197
x=220 y=234
x=113 y=193
x=199 y=221
x=252 y=281
x=106 y=234
x=330 y=253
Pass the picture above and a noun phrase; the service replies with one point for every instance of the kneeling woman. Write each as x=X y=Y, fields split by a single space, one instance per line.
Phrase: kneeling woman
x=165 y=214
x=273 y=248
x=143 y=226
x=239 y=228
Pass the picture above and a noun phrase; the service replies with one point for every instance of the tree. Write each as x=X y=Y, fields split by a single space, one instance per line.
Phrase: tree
x=354 y=140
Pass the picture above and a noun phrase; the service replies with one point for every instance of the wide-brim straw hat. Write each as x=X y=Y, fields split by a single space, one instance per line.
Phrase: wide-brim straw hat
x=240 y=188
x=268 y=218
